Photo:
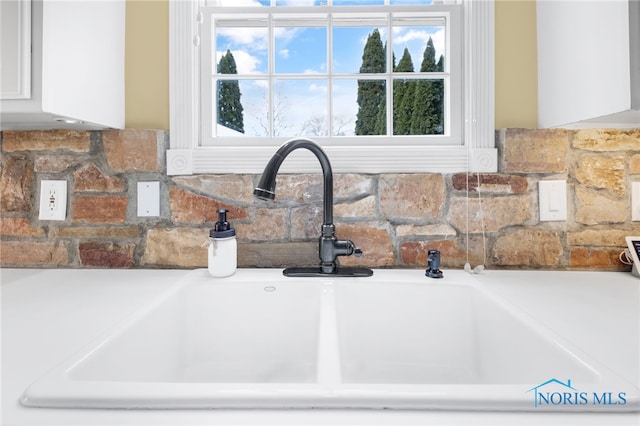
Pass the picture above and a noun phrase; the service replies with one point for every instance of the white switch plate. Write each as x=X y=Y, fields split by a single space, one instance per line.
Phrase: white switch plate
x=148 y=199
x=552 y=196
x=53 y=200
x=635 y=201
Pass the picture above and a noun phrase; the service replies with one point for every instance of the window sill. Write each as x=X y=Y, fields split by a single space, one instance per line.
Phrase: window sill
x=344 y=159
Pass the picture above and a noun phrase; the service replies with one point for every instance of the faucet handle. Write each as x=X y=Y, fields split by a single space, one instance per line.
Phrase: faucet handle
x=357 y=252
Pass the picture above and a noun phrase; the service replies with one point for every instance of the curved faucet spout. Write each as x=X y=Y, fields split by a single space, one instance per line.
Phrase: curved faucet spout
x=267 y=186
x=329 y=247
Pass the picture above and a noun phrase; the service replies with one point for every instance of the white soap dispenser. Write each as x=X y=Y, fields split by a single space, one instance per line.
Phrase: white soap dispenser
x=223 y=248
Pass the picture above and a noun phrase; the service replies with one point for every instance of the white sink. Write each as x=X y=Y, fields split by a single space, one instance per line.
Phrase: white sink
x=394 y=340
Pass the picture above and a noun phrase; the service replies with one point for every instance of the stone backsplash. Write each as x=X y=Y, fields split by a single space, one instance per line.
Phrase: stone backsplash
x=395 y=218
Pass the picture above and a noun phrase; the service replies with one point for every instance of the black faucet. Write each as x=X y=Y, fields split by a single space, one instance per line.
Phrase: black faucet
x=329 y=246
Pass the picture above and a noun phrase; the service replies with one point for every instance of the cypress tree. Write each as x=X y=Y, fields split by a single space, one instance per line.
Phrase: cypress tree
x=371 y=93
x=230 y=111
x=403 y=97
x=424 y=120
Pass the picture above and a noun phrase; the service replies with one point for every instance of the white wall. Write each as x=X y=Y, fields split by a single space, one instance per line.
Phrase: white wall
x=583 y=60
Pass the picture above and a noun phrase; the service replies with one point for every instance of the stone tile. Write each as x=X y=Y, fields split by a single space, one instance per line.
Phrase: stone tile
x=95 y=231
x=493 y=213
x=596 y=207
x=19 y=226
x=56 y=163
x=491 y=183
x=34 y=253
x=238 y=188
x=411 y=196
x=15 y=184
x=528 y=247
x=373 y=239
x=440 y=229
x=306 y=222
x=602 y=140
x=46 y=140
x=106 y=254
x=363 y=208
x=599 y=237
x=549 y=145
x=273 y=254
x=299 y=188
x=187 y=207
x=176 y=247
x=602 y=172
x=133 y=150
x=415 y=253
x=268 y=225
x=596 y=259
x=90 y=178
x=634 y=164
x=349 y=186
x=99 y=209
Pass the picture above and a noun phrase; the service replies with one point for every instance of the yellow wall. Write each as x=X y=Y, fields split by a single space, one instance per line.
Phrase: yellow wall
x=147 y=64
x=516 y=64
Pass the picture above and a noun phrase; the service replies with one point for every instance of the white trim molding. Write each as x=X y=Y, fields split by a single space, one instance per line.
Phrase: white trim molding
x=478 y=153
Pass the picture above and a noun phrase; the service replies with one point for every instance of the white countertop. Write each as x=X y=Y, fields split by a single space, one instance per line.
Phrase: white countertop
x=48 y=315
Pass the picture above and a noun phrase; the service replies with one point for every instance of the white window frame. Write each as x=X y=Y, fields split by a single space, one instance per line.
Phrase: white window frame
x=477 y=152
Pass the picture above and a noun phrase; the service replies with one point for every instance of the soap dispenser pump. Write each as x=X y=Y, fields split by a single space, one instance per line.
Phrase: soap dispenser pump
x=223 y=247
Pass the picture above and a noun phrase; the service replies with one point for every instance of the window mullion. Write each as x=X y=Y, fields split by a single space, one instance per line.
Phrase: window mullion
x=330 y=75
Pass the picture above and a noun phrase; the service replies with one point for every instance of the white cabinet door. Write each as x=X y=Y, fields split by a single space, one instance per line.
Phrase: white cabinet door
x=15 y=49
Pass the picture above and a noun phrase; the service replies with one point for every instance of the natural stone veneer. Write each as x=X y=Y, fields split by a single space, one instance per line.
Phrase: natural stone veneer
x=395 y=218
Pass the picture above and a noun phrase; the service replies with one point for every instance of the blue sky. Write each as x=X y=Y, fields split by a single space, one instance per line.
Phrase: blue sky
x=303 y=51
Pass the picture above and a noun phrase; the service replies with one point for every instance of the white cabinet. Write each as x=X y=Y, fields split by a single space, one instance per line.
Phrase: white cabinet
x=76 y=64
x=588 y=63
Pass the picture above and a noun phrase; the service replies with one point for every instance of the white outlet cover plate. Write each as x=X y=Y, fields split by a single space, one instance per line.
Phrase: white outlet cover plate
x=635 y=201
x=552 y=196
x=53 y=200
x=148 y=199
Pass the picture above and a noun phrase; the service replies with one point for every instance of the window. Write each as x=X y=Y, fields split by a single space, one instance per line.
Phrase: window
x=270 y=70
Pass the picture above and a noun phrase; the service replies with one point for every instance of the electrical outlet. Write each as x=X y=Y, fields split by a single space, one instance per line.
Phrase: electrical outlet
x=53 y=200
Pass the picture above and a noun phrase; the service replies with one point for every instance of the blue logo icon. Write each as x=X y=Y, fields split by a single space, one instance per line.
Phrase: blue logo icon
x=554 y=392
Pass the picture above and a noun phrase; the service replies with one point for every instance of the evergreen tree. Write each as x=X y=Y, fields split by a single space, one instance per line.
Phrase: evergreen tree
x=230 y=111
x=381 y=119
x=425 y=119
x=403 y=96
x=371 y=93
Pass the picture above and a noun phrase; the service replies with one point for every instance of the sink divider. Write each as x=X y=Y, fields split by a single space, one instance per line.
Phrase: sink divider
x=328 y=348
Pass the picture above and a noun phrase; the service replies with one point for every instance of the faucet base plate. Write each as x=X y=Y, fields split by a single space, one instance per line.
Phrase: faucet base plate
x=343 y=271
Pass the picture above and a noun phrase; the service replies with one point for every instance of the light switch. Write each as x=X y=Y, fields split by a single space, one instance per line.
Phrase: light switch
x=552 y=197
x=148 y=199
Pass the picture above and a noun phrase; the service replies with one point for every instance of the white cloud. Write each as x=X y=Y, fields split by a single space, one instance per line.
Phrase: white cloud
x=412 y=36
x=284 y=53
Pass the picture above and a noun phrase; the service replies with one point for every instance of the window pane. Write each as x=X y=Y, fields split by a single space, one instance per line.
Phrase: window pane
x=300 y=108
x=405 y=2
x=358 y=2
x=299 y=2
x=418 y=107
x=345 y=107
x=348 y=49
x=300 y=50
x=251 y=119
x=371 y=118
x=418 y=48
x=248 y=46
